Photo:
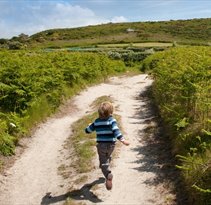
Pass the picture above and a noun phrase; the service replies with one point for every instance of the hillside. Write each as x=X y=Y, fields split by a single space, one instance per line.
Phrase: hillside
x=194 y=31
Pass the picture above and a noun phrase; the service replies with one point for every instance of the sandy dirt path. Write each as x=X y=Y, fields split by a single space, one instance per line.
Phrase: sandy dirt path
x=35 y=173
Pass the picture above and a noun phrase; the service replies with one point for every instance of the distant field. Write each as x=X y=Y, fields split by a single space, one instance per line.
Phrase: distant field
x=147 y=44
x=104 y=47
x=193 y=32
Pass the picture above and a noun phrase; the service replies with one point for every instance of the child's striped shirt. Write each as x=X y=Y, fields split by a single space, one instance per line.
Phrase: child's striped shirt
x=106 y=129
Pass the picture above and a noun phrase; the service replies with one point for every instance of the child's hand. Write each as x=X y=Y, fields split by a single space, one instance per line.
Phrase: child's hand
x=125 y=142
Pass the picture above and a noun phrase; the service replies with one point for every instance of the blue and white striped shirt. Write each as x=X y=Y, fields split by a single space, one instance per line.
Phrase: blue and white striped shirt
x=107 y=130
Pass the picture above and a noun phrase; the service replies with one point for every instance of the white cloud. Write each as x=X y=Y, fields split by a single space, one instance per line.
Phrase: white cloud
x=66 y=15
x=118 y=19
x=35 y=18
x=100 y=2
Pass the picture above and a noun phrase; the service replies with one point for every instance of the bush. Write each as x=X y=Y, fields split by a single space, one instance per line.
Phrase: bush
x=15 y=45
x=33 y=85
x=182 y=90
x=129 y=57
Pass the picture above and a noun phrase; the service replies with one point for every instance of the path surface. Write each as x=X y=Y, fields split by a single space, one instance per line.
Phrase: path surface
x=135 y=171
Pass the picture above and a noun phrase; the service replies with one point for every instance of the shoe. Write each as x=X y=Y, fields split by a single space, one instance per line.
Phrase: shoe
x=109 y=181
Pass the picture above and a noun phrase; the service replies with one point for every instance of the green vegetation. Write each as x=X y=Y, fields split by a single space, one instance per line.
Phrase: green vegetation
x=182 y=90
x=139 y=45
x=182 y=31
x=34 y=83
x=84 y=144
x=131 y=56
x=194 y=31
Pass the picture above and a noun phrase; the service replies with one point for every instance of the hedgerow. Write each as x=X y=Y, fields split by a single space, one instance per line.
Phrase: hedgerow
x=129 y=57
x=182 y=90
x=33 y=84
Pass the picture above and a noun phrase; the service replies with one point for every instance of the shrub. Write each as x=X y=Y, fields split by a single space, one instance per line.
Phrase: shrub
x=182 y=90
x=34 y=83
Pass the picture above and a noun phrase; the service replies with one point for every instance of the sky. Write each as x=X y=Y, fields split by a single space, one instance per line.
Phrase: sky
x=32 y=16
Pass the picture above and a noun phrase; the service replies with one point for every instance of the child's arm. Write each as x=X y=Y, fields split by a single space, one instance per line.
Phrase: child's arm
x=90 y=128
x=125 y=142
x=118 y=133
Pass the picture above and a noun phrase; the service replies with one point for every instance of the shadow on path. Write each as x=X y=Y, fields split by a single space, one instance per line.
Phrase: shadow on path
x=84 y=193
x=154 y=151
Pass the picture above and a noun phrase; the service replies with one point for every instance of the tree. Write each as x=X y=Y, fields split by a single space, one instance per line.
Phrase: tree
x=3 y=41
x=23 y=37
x=15 y=45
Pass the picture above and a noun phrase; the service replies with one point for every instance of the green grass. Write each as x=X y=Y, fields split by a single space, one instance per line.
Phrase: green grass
x=194 y=31
x=100 y=100
x=83 y=143
x=1 y=165
x=191 y=32
x=146 y=44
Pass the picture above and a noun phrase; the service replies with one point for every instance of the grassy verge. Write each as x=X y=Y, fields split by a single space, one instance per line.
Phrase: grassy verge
x=1 y=164
x=84 y=144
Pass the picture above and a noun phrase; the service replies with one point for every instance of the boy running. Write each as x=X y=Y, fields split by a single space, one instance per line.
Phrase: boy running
x=107 y=132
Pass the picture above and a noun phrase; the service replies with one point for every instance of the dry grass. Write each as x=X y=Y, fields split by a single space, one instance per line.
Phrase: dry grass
x=81 y=179
x=100 y=100
x=1 y=165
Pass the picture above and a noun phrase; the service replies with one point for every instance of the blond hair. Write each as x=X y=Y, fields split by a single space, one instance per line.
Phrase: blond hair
x=105 y=110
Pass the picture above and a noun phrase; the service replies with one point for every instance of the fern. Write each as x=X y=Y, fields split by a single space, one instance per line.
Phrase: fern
x=34 y=83
x=182 y=90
